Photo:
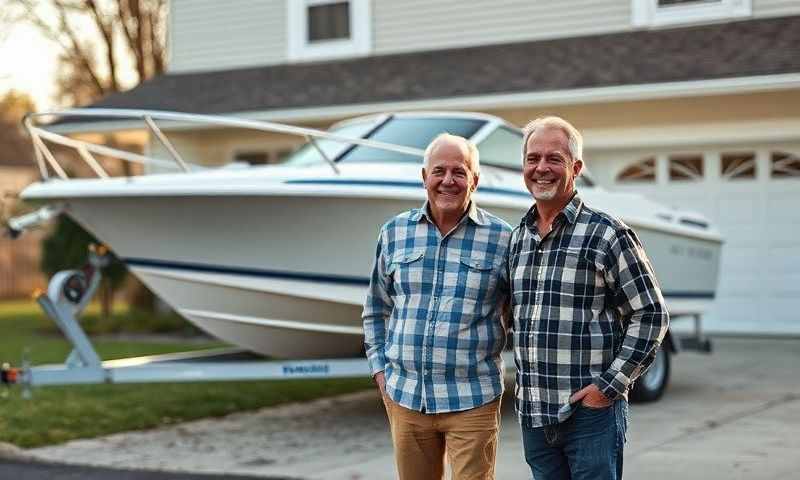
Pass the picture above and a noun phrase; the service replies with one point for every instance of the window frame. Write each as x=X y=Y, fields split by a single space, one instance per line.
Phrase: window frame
x=301 y=49
x=648 y=13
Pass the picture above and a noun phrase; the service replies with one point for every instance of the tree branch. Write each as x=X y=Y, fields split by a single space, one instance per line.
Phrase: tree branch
x=106 y=29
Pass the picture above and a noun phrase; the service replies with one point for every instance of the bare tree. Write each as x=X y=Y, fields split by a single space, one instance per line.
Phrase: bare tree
x=106 y=45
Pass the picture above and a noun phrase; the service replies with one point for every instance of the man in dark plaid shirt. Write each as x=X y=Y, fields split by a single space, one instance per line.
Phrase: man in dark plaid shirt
x=432 y=325
x=588 y=316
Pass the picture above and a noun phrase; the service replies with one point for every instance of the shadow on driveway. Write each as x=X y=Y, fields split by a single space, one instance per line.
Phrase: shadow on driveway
x=27 y=470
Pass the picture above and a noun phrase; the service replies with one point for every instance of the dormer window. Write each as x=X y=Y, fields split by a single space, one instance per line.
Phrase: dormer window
x=655 y=13
x=321 y=29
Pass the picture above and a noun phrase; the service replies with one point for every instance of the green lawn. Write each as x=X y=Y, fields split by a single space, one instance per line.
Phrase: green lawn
x=59 y=414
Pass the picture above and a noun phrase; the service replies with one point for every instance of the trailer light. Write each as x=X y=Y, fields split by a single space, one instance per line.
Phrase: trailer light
x=9 y=375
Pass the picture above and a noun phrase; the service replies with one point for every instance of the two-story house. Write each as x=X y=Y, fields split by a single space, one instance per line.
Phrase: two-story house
x=692 y=102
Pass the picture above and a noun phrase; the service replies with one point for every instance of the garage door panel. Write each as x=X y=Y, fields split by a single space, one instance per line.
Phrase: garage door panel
x=738 y=209
x=784 y=314
x=782 y=260
x=733 y=286
x=732 y=311
x=783 y=206
x=783 y=234
x=785 y=285
x=739 y=235
x=738 y=259
x=759 y=218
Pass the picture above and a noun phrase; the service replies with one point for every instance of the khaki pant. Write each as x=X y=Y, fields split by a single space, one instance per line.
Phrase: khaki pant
x=469 y=438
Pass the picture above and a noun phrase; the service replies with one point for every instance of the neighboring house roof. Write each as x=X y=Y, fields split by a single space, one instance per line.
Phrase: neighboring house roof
x=718 y=51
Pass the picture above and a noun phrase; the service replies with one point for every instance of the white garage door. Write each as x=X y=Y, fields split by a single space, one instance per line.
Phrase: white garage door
x=753 y=196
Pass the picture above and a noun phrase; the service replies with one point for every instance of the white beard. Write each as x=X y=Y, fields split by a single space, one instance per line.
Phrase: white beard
x=545 y=195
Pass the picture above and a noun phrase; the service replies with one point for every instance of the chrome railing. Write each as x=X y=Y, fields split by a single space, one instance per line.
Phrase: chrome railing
x=86 y=150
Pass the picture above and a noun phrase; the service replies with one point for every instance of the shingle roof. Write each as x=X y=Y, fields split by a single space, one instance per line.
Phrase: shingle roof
x=725 y=50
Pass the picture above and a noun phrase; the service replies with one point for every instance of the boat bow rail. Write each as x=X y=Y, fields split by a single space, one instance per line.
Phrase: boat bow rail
x=46 y=161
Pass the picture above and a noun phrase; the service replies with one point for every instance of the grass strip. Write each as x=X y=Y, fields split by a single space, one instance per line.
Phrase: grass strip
x=59 y=414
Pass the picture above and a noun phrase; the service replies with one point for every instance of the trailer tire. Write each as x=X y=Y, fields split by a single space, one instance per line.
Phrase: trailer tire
x=651 y=386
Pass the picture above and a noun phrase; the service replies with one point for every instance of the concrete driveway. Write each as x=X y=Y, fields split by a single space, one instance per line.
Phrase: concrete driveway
x=732 y=415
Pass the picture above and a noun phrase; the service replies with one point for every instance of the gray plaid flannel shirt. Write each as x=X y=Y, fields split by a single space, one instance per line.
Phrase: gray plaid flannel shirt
x=432 y=313
x=586 y=308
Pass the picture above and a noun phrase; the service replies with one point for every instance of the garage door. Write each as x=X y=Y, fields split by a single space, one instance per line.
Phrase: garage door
x=753 y=196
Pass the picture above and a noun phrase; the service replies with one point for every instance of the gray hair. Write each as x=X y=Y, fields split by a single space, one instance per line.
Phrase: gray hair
x=474 y=157
x=574 y=137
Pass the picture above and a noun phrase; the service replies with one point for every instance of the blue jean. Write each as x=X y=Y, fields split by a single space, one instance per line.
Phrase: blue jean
x=588 y=445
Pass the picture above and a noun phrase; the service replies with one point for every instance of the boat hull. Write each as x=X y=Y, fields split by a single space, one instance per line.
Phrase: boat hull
x=286 y=276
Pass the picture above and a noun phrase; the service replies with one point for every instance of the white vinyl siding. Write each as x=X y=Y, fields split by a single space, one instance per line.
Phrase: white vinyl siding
x=212 y=35
x=775 y=8
x=424 y=25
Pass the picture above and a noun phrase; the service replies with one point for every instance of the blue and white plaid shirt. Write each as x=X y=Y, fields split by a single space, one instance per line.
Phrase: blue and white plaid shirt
x=587 y=309
x=432 y=318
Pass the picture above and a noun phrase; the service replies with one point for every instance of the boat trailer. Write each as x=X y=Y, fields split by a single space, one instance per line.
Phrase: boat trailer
x=69 y=293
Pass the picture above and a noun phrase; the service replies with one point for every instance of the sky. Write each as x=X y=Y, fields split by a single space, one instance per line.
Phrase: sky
x=28 y=64
x=28 y=58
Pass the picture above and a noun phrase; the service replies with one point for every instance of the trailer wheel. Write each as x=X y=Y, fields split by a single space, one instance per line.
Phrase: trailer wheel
x=650 y=386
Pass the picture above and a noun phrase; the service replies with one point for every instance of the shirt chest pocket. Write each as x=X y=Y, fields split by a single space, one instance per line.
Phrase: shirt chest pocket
x=476 y=279
x=407 y=272
x=578 y=281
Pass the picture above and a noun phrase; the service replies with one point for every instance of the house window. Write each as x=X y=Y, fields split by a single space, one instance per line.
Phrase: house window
x=686 y=167
x=785 y=165
x=738 y=165
x=319 y=29
x=329 y=21
x=641 y=171
x=655 y=13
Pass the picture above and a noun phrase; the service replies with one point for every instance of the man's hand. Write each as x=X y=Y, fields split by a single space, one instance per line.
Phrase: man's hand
x=591 y=397
x=380 y=380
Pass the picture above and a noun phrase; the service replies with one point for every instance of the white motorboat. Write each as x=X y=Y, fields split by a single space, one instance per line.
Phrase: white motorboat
x=277 y=258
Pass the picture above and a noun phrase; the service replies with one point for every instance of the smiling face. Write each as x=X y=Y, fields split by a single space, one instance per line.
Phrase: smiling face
x=449 y=179
x=549 y=169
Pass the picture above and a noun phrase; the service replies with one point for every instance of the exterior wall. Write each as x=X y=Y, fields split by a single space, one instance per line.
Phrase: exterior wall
x=598 y=118
x=247 y=33
x=205 y=35
x=422 y=25
x=775 y=8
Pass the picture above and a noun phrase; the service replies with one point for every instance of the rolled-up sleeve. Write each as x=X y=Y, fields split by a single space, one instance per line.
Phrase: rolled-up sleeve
x=377 y=309
x=640 y=305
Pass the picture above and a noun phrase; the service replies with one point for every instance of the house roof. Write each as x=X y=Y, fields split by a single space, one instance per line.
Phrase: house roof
x=717 y=51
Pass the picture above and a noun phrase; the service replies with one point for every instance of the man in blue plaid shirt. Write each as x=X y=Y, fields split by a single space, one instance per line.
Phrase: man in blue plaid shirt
x=432 y=325
x=588 y=316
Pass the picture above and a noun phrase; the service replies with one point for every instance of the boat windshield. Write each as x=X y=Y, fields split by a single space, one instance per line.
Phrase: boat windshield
x=410 y=132
x=308 y=154
x=500 y=148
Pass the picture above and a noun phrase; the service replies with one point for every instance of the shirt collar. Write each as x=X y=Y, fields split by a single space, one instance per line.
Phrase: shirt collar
x=569 y=212
x=477 y=216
